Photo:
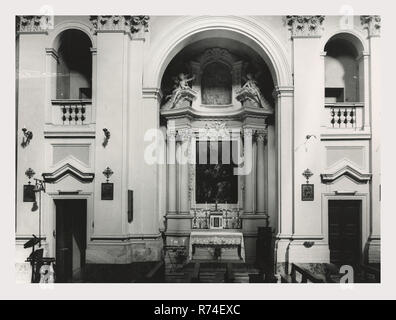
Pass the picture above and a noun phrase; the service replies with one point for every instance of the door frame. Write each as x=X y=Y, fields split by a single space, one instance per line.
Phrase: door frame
x=52 y=217
x=364 y=217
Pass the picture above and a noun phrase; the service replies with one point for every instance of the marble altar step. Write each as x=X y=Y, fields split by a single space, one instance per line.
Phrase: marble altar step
x=214 y=272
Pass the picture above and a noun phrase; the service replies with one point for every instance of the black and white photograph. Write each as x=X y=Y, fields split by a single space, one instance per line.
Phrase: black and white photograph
x=193 y=149
x=214 y=133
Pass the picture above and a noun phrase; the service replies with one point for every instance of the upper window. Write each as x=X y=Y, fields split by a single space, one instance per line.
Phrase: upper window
x=343 y=71
x=74 y=69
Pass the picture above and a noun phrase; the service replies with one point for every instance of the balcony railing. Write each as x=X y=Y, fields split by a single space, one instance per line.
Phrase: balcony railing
x=222 y=219
x=71 y=112
x=344 y=115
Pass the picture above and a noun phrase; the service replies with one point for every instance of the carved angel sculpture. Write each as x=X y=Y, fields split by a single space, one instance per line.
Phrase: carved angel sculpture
x=251 y=85
x=181 y=91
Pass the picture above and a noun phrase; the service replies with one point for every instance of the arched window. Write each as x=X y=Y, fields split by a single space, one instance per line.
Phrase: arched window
x=344 y=80
x=74 y=68
x=216 y=84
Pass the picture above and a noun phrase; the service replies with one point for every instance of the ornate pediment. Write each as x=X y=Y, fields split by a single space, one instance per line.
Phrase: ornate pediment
x=346 y=171
x=132 y=24
x=305 y=26
x=65 y=170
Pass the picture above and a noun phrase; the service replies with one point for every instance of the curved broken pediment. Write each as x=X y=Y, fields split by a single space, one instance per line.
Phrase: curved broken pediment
x=65 y=170
x=346 y=171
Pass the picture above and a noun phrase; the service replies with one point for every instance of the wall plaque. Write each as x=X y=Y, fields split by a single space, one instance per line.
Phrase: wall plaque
x=107 y=191
x=28 y=193
x=307 y=192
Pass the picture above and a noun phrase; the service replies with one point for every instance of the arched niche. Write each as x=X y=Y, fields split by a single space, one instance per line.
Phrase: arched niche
x=74 y=65
x=344 y=69
x=216 y=69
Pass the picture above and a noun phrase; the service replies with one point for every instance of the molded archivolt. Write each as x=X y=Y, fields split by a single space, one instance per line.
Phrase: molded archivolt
x=244 y=29
x=68 y=169
x=347 y=171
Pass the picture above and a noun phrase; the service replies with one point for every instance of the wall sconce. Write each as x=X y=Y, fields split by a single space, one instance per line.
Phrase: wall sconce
x=309 y=136
x=107 y=137
x=307 y=174
x=308 y=244
x=107 y=187
x=28 y=135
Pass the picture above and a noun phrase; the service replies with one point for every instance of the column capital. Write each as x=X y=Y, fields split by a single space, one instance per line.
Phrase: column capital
x=305 y=26
x=33 y=24
x=372 y=24
x=261 y=135
x=171 y=133
x=127 y=24
x=185 y=134
x=248 y=132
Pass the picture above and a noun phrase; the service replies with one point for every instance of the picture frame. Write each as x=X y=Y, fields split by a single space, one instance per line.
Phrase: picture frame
x=28 y=193
x=107 y=191
x=307 y=192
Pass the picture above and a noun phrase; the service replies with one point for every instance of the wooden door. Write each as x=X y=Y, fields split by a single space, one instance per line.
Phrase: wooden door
x=345 y=232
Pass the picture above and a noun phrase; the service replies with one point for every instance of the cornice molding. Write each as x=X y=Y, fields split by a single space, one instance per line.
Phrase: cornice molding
x=346 y=171
x=68 y=169
x=305 y=26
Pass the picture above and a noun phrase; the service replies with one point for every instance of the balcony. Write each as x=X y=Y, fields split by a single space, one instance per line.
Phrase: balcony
x=71 y=112
x=344 y=115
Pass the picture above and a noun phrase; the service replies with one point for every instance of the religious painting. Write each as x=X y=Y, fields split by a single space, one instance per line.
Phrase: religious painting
x=107 y=191
x=28 y=193
x=215 y=178
x=216 y=84
x=307 y=192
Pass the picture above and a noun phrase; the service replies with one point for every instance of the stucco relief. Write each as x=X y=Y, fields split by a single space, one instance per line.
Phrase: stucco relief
x=32 y=23
x=305 y=26
x=372 y=24
x=132 y=24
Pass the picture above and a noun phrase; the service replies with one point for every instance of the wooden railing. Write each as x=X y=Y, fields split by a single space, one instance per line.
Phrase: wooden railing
x=71 y=111
x=344 y=115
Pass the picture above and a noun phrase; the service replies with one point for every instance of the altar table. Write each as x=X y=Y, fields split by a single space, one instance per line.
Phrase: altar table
x=217 y=239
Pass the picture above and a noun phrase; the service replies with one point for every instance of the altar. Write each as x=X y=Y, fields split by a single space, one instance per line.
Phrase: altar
x=218 y=241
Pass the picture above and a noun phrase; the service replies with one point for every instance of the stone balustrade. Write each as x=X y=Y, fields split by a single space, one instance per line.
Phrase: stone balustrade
x=71 y=111
x=344 y=115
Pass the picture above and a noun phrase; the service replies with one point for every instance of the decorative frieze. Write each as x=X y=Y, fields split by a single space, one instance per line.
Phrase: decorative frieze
x=305 y=26
x=33 y=24
x=129 y=24
x=215 y=130
x=372 y=24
